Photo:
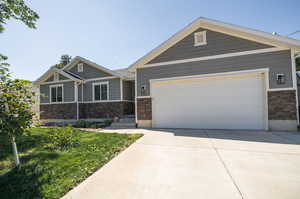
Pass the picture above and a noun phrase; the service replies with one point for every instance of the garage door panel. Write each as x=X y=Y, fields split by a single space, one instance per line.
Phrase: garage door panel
x=235 y=102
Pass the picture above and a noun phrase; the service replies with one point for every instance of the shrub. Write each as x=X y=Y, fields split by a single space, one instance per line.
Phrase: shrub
x=107 y=122
x=62 y=138
x=87 y=124
x=82 y=124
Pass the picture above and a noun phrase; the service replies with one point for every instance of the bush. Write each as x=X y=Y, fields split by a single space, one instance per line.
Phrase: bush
x=82 y=124
x=107 y=123
x=87 y=124
x=62 y=138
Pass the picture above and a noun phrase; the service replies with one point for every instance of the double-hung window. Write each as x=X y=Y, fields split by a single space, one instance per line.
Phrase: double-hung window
x=56 y=93
x=101 y=91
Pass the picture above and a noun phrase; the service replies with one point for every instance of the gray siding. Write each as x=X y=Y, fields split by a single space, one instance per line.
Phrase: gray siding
x=114 y=90
x=50 y=79
x=128 y=90
x=89 y=72
x=60 y=77
x=277 y=62
x=68 y=92
x=217 y=43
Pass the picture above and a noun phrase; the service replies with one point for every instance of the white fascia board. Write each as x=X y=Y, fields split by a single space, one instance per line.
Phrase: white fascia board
x=66 y=75
x=46 y=75
x=250 y=52
x=49 y=72
x=72 y=63
x=90 y=63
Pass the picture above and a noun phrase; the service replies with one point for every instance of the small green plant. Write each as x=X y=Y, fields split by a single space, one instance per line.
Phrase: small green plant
x=37 y=124
x=63 y=138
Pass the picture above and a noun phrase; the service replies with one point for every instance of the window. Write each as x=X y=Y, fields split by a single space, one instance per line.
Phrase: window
x=200 y=38
x=56 y=76
x=56 y=93
x=80 y=67
x=100 y=91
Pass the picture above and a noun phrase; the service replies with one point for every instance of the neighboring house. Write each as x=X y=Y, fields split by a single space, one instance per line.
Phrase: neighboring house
x=210 y=75
x=85 y=90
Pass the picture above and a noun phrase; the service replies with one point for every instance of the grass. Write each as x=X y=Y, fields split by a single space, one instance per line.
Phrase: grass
x=50 y=174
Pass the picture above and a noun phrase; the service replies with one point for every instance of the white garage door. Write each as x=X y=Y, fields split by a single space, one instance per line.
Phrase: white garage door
x=220 y=102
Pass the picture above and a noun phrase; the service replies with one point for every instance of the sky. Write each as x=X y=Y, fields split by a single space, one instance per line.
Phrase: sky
x=115 y=34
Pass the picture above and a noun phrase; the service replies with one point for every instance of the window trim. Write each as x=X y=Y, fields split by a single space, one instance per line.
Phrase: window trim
x=80 y=67
x=97 y=84
x=204 y=38
x=50 y=93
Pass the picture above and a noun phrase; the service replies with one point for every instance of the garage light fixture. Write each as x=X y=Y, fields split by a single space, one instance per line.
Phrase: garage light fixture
x=143 y=89
x=280 y=78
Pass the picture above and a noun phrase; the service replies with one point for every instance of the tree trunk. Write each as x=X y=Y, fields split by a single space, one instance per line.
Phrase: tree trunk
x=16 y=155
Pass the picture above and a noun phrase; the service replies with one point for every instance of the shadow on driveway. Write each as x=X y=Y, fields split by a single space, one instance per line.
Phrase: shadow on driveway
x=238 y=135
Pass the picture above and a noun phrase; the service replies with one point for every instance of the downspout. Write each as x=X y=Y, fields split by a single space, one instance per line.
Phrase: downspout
x=82 y=92
x=78 y=112
x=77 y=105
x=295 y=84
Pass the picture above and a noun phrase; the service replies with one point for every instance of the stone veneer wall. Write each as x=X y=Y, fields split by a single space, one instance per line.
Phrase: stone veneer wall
x=105 y=109
x=144 y=112
x=86 y=110
x=58 y=111
x=128 y=108
x=282 y=105
x=144 y=109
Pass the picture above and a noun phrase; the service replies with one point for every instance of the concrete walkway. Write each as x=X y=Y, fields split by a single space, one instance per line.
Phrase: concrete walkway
x=206 y=164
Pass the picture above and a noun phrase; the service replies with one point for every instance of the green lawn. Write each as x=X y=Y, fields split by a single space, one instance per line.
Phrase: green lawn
x=46 y=173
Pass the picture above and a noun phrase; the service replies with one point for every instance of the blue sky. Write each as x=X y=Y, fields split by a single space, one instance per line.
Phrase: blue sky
x=114 y=34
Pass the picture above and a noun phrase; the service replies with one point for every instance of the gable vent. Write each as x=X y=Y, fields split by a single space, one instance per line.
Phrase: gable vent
x=80 y=67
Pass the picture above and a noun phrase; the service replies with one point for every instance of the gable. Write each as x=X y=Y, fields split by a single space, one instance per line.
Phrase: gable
x=89 y=71
x=280 y=42
x=60 y=77
x=217 y=44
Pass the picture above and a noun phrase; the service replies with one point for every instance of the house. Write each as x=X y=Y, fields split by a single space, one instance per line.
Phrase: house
x=210 y=75
x=85 y=90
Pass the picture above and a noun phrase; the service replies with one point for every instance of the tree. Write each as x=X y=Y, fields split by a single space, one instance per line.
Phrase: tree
x=15 y=95
x=16 y=99
x=64 y=60
x=16 y=9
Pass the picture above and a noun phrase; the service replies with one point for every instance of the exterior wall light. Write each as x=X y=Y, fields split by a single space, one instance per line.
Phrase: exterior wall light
x=280 y=78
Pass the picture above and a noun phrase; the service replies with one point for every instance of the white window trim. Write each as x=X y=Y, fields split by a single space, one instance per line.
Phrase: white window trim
x=50 y=94
x=100 y=83
x=80 y=67
x=204 y=38
x=56 y=77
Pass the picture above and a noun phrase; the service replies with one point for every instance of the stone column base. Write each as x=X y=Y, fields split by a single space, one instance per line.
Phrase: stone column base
x=144 y=123
x=283 y=125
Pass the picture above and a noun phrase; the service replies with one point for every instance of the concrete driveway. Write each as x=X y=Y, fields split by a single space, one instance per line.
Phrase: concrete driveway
x=200 y=164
